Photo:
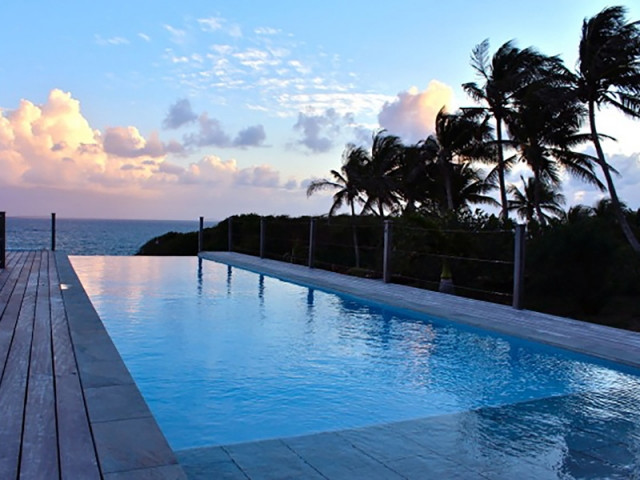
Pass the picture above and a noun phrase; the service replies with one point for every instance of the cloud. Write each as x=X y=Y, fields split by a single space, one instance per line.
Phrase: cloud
x=411 y=115
x=211 y=134
x=51 y=159
x=180 y=113
x=144 y=37
x=53 y=144
x=110 y=41
x=214 y=24
x=177 y=35
x=250 y=137
x=260 y=176
x=210 y=24
x=319 y=131
x=266 y=31
x=341 y=101
x=127 y=142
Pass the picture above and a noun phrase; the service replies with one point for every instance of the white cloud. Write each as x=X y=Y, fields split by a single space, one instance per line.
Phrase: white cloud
x=411 y=115
x=356 y=103
x=210 y=24
x=144 y=37
x=177 y=35
x=267 y=31
x=110 y=41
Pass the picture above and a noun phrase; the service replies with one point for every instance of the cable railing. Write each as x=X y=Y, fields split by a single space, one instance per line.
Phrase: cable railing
x=485 y=264
x=477 y=264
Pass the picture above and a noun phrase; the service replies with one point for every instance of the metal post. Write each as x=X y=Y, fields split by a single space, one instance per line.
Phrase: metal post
x=263 y=226
x=518 y=266
x=3 y=241
x=386 y=260
x=312 y=241
x=230 y=239
x=200 y=235
x=53 y=232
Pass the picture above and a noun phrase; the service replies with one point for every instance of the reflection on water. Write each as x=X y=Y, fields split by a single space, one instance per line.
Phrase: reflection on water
x=199 y=276
x=261 y=289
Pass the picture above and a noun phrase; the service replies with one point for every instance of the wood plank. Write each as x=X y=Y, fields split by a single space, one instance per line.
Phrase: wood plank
x=41 y=356
x=6 y=272
x=14 y=379
x=78 y=457
x=39 y=453
x=10 y=314
x=64 y=361
x=39 y=457
x=7 y=288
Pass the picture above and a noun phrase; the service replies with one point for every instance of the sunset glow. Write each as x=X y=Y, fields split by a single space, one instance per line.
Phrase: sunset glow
x=114 y=111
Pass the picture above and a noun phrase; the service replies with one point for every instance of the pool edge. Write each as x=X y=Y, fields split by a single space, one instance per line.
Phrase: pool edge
x=127 y=438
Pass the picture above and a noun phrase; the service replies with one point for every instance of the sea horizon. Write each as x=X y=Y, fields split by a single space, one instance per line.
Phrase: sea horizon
x=91 y=236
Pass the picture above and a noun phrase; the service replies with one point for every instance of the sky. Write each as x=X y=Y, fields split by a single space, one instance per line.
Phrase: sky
x=175 y=110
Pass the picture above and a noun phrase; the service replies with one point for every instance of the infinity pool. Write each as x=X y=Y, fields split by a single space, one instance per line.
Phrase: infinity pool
x=223 y=355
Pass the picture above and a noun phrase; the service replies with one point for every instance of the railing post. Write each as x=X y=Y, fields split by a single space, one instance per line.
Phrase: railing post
x=53 y=232
x=3 y=241
x=201 y=235
x=518 y=266
x=386 y=259
x=312 y=241
x=230 y=233
x=263 y=227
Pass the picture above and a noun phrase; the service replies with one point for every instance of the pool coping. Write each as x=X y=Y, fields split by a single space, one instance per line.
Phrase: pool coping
x=608 y=343
x=127 y=438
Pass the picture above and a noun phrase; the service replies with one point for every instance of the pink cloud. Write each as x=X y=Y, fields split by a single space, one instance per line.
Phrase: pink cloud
x=412 y=114
x=52 y=149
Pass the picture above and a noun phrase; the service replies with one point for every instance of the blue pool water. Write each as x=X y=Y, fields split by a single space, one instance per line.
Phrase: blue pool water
x=223 y=355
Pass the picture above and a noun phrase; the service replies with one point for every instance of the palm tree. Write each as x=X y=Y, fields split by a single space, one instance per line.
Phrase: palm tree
x=544 y=130
x=347 y=184
x=509 y=70
x=608 y=73
x=459 y=137
x=412 y=182
x=379 y=178
x=536 y=199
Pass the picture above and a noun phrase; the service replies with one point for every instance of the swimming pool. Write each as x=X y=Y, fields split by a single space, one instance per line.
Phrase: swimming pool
x=223 y=355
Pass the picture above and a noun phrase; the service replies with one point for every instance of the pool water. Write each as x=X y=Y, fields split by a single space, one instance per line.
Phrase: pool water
x=223 y=355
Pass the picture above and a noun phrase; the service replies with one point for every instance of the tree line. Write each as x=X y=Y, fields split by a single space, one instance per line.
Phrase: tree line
x=530 y=109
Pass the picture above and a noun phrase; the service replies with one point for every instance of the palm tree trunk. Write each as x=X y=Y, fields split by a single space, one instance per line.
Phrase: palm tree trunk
x=504 y=214
x=448 y=188
x=354 y=228
x=615 y=201
x=536 y=198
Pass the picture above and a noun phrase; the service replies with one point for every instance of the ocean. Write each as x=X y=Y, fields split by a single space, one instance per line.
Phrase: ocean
x=90 y=237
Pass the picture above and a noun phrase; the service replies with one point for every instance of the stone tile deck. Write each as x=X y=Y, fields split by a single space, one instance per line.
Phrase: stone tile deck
x=68 y=406
x=587 y=435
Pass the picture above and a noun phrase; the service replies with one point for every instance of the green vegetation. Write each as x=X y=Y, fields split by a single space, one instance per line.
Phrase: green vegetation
x=583 y=263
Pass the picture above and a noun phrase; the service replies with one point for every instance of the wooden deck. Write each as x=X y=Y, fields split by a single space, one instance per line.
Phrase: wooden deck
x=68 y=406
